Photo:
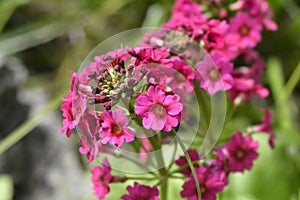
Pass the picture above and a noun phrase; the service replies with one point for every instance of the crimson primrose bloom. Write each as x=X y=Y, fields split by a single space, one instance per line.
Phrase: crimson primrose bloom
x=182 y=161
x=211 y=183
x=115 y=128
x=214 y=73
x=141 y=192
x=73 y=107
x=266 y=126
x=158 y=110
x=247 y=28
x=101 y=177
x=238 y=154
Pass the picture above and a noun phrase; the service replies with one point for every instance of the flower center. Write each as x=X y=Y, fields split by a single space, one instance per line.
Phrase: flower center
x=202 y=189
x=116 y=130
x=102 y=179
x=240 y=154
x=213 y=74
x=244 y=30
x=141 y=198
x=158 y=110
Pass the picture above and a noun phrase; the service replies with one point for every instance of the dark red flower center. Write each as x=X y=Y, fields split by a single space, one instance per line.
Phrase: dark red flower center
x=244 y=30
x=202 y=189
x=240 y=154
x=102 y=179
x=158 y=109
x=116 y=129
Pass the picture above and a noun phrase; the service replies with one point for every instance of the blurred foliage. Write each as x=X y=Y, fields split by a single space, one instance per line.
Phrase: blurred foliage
x=6 y=187
x=53 y=37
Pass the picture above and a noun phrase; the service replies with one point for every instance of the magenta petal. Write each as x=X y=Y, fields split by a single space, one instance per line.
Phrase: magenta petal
x=119 y=117
x=157 y=122
x=142 y=101
x=128 y=135
x=141 y=110
x=147 y=122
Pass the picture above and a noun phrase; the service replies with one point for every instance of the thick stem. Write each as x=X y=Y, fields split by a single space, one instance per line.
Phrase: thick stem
x=156 y=143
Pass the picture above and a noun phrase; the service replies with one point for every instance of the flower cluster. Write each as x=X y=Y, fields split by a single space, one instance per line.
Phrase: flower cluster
x=235 y=156
x=135 y=98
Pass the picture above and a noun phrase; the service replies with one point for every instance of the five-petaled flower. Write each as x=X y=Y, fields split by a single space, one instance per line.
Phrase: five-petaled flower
x=141 y=192
x=115 y=128
x=159 y=110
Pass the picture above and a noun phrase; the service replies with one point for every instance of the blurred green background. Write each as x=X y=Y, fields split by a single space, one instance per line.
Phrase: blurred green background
x=51 y=38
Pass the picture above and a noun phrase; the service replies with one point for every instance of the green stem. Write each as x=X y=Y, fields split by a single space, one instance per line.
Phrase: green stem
x=29 y=124
x=140 y=165
x=291 y=84
x=184 y=167
x=190 y=163
x=154 y=140
x=141 y=178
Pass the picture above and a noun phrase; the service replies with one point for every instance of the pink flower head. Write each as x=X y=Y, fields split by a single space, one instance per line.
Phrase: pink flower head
x=241 y=152
x=101 y=178
x=89 y=143
x=66 y=108
x=89 y=147
x=214 y=36
x=222 y=160
x=181 y=78
x=188 y=19
x=211 y=183
x=247 y=28
x=141 y=192
x=214 y=73
x=73 y=107
x=181 y=161
x=158 y=110
x=115 y=128
x=257 y=66
x=156 y=76
x=266 y=126
x=259 y=9
x=245 y=88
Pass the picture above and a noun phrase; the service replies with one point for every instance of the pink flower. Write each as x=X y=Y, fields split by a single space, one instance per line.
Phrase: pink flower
x=181 y=161
x=214 y=37
x=257 y=66
x=158 y=110
x=101 y=178
x=89 y=147
x=115 y=128
x=259 y=9
x=247 y=28
x=266 y=126
x=73 y=107
x=66 y=108
x=89 y=143
x=211 y=183
x=146 y=147
x=245 y=88
x=188 y=19
x=239 y=153
x=214 y=73
x=141 y=192
x=181 y=78
x=156 y=76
